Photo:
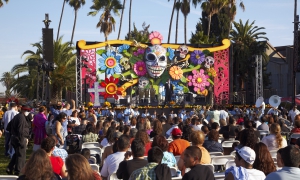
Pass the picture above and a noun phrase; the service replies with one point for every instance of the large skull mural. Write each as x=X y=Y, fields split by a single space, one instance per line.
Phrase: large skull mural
x=143 y=82
x=156 y=60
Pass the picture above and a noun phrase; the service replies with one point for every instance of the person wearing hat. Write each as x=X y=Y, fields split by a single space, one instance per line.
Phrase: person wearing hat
x=178 y=145
x=19 y=130
x=244 y=160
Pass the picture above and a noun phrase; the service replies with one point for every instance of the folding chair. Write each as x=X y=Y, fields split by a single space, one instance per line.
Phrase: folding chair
x=90 y=145
x=210 y=166
x=212 y=154
x=113 y=177
x=173 y=171
x=233 y=153
x=221 y=160
x=92 y=158
x=219 y=176
x=273 y=153
x=177 y=158
x=95 y=167
x=8 y=177
x=229 y=164
x=227 y=146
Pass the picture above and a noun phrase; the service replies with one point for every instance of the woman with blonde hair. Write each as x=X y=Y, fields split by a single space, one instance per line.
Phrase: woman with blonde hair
x=274 y=141
x=148 y=126
x=80 y=169
x=38 y=167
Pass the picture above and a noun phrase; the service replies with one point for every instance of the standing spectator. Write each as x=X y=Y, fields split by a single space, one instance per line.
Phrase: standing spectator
x=292 y=113
x=133 y=123
x=157 y=129
x=120 y=116
x=19 y=130
x=57 y=128
x=244 y=160
x=145 y=138
x=178 y=145
x=168 y=158
x=212 y=144
x=192 y=159
x=127 y=166
x=111 y=163
x=62 y=153
x=154 y=115
x=290 y=159
x=39 y=129
x=92 y=118
x=150 y=171
x=128 y=112
x=145 y=114
x=58 y=164
x=74 y=118
x=80 y=169
x=7 y=117
x=136 y=112
x=274 y=141
x=39 y=167
x=230 y=128
x=263 y=160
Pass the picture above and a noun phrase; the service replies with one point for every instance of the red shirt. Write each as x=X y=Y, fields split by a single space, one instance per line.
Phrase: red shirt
x=240 y=121
x=147 y=148
x=57 y=164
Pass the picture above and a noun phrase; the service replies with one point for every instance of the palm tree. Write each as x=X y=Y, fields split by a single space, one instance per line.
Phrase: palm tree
x=61 y=15
x=232 y=10
x=76 y=4
x=212 y=7
x=178 y=7
x=121 y=19
x=106 y=21
x=171 y=20
x=7 y=79
x=129 y=27
x=1 y=3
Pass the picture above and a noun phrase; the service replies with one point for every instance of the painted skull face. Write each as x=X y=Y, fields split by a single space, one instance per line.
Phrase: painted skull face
x=156 y=60
x=183 y=50
x=125 y=63
x=209 y=61
x=143 y=82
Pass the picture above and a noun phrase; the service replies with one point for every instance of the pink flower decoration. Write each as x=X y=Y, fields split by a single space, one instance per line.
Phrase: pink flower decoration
x=140 y=68
x=138 y=52
x=155 y=37
x=198 y=80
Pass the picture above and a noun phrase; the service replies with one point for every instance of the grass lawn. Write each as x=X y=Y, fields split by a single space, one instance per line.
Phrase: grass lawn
x=5 y=160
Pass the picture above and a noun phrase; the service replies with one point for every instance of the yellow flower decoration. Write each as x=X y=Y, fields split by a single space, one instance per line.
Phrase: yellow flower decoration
x=176 y=72
x=90 y=104
x=107 y=104
x=212 y=72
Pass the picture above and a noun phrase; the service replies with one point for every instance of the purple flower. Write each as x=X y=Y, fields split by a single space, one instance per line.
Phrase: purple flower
x=197 y=57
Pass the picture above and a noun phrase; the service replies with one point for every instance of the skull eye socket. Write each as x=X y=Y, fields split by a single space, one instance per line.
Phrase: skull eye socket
x=185 y=51
x=151 y=57
x=162 y=58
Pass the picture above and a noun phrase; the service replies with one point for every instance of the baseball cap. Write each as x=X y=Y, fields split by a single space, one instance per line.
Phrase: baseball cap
x=247 y=154
x=176 y=132
x=117 y=134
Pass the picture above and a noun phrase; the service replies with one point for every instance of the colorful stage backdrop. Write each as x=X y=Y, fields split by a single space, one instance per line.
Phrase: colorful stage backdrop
x=126 y=64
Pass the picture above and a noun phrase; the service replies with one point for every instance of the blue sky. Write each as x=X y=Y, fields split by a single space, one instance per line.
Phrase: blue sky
x=21 y=23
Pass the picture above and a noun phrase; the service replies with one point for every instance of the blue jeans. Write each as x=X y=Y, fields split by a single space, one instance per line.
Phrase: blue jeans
x=8 y=148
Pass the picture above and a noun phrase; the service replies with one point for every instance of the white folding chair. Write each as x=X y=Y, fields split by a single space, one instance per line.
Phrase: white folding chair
x=92 y=158
x=210 y=166
x=176 y=178
x=229 y=164
x=113 y=177
x=263 y=132
x=173 y=171
x=8 y=177
x=228 y=144
x=212 y=154
x=90 y=145
x=95 y=150
x=295 y=135
x=221 y=160
x=219 y=176
x=177 y=158
x=95 y=167
x=273 y=153
x=233 y=153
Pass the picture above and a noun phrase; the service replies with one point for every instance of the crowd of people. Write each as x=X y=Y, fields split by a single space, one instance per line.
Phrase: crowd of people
x=144 y=145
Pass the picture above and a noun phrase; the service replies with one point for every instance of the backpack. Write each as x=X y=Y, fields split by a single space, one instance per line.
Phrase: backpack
x=73 y=143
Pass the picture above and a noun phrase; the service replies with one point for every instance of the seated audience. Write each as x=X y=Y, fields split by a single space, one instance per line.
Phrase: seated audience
x=166 y=124
x=111 y=163
x=109 y=149
x=58 y=165
x=230 y=128
x=126 y=167
x=142 y=134
x=58 y=151
x=132 y=134
x=157 y=129
x=161 y=142
x=212 y=144
x=153 y=170
x=178 y=145
x=244 y=160
x=263 y=125
x=79 y=129
x=90 y=136
x=247 y=137
x=38 y=167
x=196 y=123
x=295 y=130
x=85 y=152
x=109 y=137
x=263 y=160
x=175 y=125
x=192 y=159
x=274 y=141
x=290 y=159
x=80 y=169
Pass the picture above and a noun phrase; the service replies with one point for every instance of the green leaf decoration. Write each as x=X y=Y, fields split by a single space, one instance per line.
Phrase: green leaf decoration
x=132 y=91
x=191 y=66
x=191 y=69
x=183 y=79
x=151 y=80
x=186 y=89
x=206 y=52
x=210 y=81
x=156 y=88
x=100 y=51
x=133 y=75
x=127 y=73
x=168 y=54
x=164 y=77
x=133 y=59
x=126 y=54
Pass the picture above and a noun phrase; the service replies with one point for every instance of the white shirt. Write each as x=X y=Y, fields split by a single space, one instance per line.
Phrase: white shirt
x=77 y=122
x=197 y=127
x=105 y=143
x=8 y=116
x=258 y=123
x=255 y=174
x=111 y=163
x=293 y=113
x=270 y=142
x=223 y=114
x=168 y=133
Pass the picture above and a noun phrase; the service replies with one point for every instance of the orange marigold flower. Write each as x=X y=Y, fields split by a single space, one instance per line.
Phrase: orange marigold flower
x=176 y=72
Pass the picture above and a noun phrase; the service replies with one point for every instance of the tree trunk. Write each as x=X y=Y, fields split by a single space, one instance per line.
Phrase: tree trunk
x=177 y=22
x=208 y=28
x=171 y=20
x=121 y=20
x=129 y=28
x=74 y=27
x=185 y=19
x=61 y=15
